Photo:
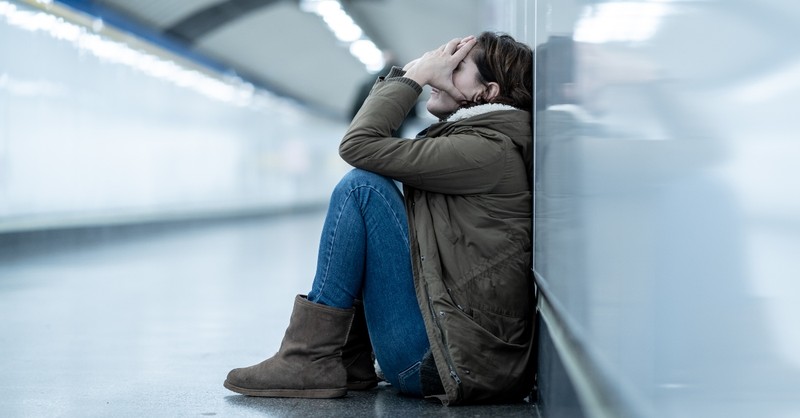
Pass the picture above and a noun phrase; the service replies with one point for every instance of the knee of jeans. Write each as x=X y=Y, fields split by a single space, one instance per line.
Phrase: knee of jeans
x=358 y=177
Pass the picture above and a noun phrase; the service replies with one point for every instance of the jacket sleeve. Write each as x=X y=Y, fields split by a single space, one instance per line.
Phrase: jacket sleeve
x=467 y=161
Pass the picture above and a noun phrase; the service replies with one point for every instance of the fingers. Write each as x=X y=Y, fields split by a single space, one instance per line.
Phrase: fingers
x=464 y=41
x=457 y=44
x=436 y=67
x=464 y=47
x=451 y=46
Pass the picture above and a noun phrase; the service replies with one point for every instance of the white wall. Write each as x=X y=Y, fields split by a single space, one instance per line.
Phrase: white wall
x=98 y=127
x=667 y=199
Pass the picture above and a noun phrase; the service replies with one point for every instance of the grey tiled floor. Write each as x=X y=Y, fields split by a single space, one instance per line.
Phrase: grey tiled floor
x=149 y=325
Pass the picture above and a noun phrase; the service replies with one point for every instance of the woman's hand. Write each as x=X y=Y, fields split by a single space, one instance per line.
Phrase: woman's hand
x=435 y=68
x=411 y=64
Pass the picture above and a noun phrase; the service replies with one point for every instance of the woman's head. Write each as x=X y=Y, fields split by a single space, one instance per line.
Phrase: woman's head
x=498 y=69
x=508 y=63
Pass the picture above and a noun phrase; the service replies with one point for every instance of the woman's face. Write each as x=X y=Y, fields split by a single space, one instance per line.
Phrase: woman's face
x=465 y=78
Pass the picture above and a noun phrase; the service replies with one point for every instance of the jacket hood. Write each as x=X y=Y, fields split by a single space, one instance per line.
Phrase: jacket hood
x=515 y=123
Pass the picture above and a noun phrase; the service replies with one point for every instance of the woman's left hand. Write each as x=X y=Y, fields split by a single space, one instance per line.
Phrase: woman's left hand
x=435 y=68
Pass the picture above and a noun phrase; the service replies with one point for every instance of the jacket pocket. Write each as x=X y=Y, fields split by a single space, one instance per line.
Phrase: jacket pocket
x=409 y=380
x=491 y=369
x=507 y=328
x=500 y=298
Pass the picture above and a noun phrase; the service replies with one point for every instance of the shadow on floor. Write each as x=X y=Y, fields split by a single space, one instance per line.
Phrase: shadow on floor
x=383 y=401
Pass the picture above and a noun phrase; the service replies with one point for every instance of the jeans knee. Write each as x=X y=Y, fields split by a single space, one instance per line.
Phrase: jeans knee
x=358 y=178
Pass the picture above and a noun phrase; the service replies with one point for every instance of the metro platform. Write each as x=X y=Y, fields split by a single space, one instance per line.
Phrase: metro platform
x=147 y=323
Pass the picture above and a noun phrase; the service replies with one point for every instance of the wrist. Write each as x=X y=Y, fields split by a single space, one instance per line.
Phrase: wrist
x=415 y=76
x=396 y=72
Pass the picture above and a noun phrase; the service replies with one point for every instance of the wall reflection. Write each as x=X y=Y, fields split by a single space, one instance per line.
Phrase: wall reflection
x=667 y=221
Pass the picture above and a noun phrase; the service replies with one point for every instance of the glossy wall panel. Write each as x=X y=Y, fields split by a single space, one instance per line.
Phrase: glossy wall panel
x=667 y=205
x=97 y=126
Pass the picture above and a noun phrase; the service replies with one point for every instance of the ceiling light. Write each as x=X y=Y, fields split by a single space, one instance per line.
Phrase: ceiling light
x=346 y=31
x=621 y=21
x=368 y=54
x=233 y=91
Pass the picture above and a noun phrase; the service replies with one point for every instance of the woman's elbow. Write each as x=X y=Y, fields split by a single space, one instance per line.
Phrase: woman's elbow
x=343 y=149
x=346 y=151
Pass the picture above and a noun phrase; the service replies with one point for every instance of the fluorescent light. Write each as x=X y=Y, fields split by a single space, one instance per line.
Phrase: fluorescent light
x=368 y=54
x=347 y=31
x=342 y=26
x=233 y=91
x=620 y=21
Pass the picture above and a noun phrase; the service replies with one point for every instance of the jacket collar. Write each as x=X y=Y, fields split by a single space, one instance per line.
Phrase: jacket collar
x=468 y=112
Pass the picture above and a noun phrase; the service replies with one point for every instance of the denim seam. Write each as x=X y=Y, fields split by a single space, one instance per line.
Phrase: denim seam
x=324 y=278
x=404 y=375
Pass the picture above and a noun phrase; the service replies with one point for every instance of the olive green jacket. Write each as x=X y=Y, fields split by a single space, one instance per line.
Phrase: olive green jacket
x=468 y=199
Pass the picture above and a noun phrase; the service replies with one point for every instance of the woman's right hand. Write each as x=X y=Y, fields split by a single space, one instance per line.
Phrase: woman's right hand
x=435 y=68
x=411 y=64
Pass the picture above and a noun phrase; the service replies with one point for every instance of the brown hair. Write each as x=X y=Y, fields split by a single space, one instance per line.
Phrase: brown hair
x=509 y=63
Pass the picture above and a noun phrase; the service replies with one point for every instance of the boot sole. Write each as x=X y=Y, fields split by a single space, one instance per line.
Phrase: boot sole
x=289 y=393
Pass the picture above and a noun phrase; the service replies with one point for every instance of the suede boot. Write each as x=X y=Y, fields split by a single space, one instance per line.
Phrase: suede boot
x=309 y=361
x=357 y=353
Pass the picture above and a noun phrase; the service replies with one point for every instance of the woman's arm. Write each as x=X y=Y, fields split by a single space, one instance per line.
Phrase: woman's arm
x=461 y=163
x=468 y=161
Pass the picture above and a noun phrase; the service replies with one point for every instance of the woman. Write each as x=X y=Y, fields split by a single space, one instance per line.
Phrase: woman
x=443 y=269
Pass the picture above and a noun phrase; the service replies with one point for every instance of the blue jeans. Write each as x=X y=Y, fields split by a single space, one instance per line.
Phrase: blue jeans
x=364 y=253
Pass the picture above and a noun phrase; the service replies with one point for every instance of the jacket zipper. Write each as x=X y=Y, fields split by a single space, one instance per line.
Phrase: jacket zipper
x=455 y=376
x=447 y=356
